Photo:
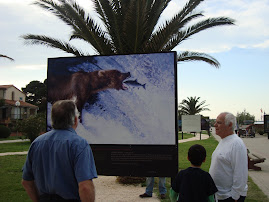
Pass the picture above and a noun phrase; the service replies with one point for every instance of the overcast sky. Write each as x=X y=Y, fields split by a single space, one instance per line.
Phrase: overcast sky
x=240 y=84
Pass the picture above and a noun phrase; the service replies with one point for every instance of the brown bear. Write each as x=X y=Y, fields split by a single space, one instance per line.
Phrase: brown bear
x=80 y=86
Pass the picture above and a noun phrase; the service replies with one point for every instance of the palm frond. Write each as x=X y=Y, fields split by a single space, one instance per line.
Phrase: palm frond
x=166 y=31
x=111 y=14
x=86 y=27
x=128 y=26
x=134 y=26
x=82 y=25
x=54 y=8
x=208 y=23
x=196 y=56
x=53 y=43
x=200 y=26
x=192 y=106
x=4 y=56
x=154 y=10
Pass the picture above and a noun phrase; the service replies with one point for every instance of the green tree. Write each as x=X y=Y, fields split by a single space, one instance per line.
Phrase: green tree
x=36 y=93
x=4 y=56
x=128 y=27
x=192 y=106
x=244 y=116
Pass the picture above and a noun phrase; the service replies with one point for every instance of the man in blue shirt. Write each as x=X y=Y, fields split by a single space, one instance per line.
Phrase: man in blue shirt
x=60 y=164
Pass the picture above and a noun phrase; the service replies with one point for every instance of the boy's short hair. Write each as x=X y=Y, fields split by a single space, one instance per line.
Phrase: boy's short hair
x=196 y=154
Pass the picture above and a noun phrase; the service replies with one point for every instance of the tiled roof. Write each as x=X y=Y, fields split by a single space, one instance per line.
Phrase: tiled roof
x=9 y=86
x=5 y=86
x=22 y=104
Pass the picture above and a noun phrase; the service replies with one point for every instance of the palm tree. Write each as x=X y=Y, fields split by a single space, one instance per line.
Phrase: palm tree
x=128 y=26
x=191 y=106
x=4 y=56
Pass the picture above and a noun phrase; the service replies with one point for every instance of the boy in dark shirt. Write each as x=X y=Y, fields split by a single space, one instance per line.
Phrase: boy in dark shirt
x=193 y=184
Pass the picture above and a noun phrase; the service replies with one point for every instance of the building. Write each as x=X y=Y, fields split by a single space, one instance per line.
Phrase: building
x=13 y=105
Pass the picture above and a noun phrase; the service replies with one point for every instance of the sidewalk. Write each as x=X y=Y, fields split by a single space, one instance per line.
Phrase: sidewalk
x=11 y=141
x=258 y=145
x=197 y=137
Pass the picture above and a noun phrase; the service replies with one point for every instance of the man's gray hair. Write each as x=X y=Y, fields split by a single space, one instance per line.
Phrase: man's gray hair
x=63 y=114
x=230 y=118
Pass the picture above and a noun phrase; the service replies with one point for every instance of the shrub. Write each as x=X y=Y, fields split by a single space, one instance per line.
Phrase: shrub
x=12 y=127
x=4 y=131
x=33 y=126
x=130 y=180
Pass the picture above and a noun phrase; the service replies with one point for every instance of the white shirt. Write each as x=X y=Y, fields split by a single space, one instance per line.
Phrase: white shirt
x=229 y=168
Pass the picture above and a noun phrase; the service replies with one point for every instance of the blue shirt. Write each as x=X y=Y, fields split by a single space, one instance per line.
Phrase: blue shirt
x=58 y=161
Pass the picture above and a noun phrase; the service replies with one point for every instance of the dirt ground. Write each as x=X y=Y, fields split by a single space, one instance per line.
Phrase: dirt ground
x=108 y=190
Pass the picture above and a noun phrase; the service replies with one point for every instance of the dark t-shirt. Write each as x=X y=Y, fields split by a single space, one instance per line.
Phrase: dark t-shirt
x=194 y=185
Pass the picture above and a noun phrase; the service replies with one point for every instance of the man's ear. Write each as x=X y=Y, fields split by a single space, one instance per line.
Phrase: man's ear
x=204 y=160
x=230 y=125
x=75 y=123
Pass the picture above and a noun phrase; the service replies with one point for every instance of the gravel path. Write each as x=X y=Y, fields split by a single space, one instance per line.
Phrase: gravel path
x=108 y=190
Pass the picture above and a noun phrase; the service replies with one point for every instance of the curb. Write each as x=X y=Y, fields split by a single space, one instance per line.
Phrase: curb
x=11 y=141
x=13 y=153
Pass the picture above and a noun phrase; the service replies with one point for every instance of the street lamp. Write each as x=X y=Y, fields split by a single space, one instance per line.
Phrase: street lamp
x=17 y=103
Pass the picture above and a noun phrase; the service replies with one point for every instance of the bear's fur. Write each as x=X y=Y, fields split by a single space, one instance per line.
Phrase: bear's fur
x=80 y=86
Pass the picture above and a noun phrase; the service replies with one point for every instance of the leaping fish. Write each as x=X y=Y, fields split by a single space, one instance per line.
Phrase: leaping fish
x=134 y=83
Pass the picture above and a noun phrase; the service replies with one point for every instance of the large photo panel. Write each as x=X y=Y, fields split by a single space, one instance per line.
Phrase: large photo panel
x=122 y=99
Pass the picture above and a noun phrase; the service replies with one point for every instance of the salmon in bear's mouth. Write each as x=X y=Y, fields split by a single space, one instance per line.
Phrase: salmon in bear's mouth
x=123 y=87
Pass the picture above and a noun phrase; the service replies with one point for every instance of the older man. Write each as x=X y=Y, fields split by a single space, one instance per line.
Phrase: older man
x=60 y=164
x=229 y=164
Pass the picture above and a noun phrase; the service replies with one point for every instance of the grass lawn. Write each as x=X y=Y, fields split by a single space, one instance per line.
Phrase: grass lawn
x=209 y=144
x=14 y=147
x=11 y=171
x=11 y=175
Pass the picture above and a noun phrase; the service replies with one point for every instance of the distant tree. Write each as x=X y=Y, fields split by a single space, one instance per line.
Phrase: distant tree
x=4 y=56
x=192 y=106
x=36 y=94
x=244 y=116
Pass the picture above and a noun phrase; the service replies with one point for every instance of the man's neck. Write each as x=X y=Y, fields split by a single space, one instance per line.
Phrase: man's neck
x=231 y=133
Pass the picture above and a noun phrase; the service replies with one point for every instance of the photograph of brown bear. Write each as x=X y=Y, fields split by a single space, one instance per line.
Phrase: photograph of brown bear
x=80 y=86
